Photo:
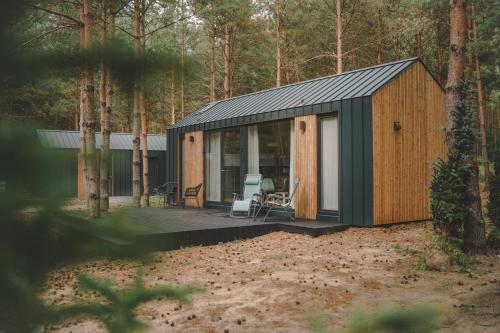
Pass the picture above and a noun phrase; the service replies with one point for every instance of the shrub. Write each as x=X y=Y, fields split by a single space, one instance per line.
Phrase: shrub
x=448 y=197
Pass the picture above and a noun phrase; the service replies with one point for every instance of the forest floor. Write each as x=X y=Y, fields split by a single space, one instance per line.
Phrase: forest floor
x=274 y=283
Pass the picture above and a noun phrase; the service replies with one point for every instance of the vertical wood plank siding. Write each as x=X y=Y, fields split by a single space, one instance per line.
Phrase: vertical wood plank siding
x=192 y=166
x=402 y=160
x=306 y=167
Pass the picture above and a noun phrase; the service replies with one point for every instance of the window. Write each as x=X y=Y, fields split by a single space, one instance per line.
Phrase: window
x=269 y=153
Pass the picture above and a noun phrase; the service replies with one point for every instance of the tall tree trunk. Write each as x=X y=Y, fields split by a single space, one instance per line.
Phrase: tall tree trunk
x=418 y=44
x=286 y=59
x=183 y=47
x=380 y=36
x=138 y=91
x=81 y=155
x=106 y=101
x=398 y=49
x=228 y=59
x=338 y=7
x=143 y=113
x=172 y=98
x=474 y=229
x=277 y=13
x=481 y=103
x=89 y=121
x=213 y=33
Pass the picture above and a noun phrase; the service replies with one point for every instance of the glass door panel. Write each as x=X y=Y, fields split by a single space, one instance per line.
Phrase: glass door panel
x=232 y=164
x=212 y=166
x=329 y=164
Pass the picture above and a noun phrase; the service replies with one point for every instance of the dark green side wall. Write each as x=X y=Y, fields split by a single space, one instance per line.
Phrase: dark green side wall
x=356 y=162
x=66 y=174
x=121 y=184
x=172 y=151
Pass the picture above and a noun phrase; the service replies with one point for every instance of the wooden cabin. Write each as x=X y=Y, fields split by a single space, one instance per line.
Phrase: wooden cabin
x=120 y=177
x=362 y=142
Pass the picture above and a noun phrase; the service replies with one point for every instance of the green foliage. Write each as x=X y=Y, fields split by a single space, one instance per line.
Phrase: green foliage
x=494 y=199
x=117 y=312
x=448 y=197
x=37 y=237
x=417 y=319
x=494 y=239
x=318 y=322
x=452 y=247
x=494 y=203
x=448 y=187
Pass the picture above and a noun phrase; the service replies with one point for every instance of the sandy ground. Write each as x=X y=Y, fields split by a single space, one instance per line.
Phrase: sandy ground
x=272 y=283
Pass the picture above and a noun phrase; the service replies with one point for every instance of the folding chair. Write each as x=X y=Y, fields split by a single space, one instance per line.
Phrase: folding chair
x=250 y=199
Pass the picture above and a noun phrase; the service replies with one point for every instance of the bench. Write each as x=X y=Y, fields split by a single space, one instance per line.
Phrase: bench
x=192 y=192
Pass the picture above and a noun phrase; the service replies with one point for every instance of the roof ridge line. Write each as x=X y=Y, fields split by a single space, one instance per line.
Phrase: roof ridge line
x=315 y=79
x=97 y=132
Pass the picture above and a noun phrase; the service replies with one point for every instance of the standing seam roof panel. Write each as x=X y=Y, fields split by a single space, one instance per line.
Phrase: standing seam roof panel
x=377 y=80
x=363 y=81
x=347 y=85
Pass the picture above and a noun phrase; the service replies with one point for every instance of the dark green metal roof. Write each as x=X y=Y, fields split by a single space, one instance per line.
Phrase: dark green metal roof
x=292 y=100
x=118 y=141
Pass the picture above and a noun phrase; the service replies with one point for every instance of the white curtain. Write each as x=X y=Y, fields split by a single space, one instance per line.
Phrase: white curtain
x=292 y=159
x=213 y=167
x=329 y=164
x=253 y=150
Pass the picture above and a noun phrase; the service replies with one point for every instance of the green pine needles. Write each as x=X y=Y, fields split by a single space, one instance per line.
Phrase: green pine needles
x=117 y=311
x=36 y=237
x=449 y=184
x=494 y=203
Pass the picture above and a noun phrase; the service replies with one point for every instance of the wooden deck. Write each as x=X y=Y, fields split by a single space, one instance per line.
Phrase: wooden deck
x=167 y=229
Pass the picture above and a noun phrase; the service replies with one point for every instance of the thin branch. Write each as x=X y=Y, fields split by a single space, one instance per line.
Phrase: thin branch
x=121 y=7
x=50 y=11
x=166 y=25
x=49 y=32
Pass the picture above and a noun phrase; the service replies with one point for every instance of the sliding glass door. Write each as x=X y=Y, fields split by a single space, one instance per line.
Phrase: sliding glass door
x=213 y=166
x=329 y=157
x=231 y=163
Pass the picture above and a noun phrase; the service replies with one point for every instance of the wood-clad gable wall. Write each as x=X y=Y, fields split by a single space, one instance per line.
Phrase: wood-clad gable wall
x=402 y=159
x=192 y=166
x=306 y=167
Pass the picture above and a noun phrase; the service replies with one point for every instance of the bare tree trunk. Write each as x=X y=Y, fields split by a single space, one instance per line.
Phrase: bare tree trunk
x=398 y=49
x=338 y=7
x=228 y=59
x=474 y=228
x=379 y=36
x=109 y=76
x=81 y=155
x=418 y=44
x=456 y=64
x=288 y=75
x=480 y=101
x=144 y=116
x=106 y=110
x=183 y=47
x=212 y=97
x=277 y=13
x=138 y=91
x=145 y=154
x=172 y=99
x=89 y=121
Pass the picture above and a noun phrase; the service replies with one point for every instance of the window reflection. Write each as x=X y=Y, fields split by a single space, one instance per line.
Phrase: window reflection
x=274 y=155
